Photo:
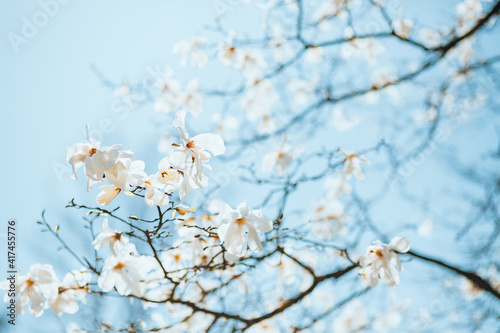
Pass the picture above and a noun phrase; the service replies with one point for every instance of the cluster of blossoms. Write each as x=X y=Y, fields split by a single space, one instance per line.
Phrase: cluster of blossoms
x=172 y=97
x=182 y=170
x=381 y=261
x=40 y=288
x=125 y=269
x=328 y=216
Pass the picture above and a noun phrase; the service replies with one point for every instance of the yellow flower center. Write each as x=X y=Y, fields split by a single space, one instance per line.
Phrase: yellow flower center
x=119 y=266
x=190 y=144
x=29 y=283
x=92 y=151
x=241 y=221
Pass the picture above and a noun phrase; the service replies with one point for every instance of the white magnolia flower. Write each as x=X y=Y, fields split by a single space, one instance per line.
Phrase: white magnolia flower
x=198 y=57
x=170 y=97
x=431 y=37
x=74 y=288
x=382 y=262
x=187 y=227
x=125 y=173
x=192 y=100
x=183 y=210
x=107 y=194
x=328 y=219
x=153 y=195
x=280 y=45
x=176 y=259
x=402 y=27
x=267 y=125
x=40 y=283
x=330 y=9
x=167 y=178
x=122 y=175
x=337 y=186
x=302 y=91
x=367 y=48
x=258 y=99
x=352 y=319
x=232 y=224
x=352 y=164
x=228 y=53
x=251 y=64
x=193 y=154
x=278 y=159
x=314 y=54
x=468 y=11
x=96 y=160
x=127 y=273
x=123 y=93
x=116 y=241
x=225 y=125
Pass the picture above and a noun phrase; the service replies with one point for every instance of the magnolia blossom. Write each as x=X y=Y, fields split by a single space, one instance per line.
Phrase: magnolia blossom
x=402 y=27
x=302 y=91
x=170 y=97
x=382 y=262
x=117 y=243
x=183 y=210
x=107 y=194
x=267 y=125
x=228 y=53
x=328 y=219
x=352 y=164
x=192 y=100
x=352 y=319
x=251 y=64
x=40 y=283
x=468 y=11
x=258 y=99
x=74 y=288
x=192 y=154
x=177 y=258
x=198 y=57
x=123 y=92
x=330 y=9
x=282 y=48
x=232 y=224
x=367 y=48
x=123 y=174
x=225 y=125
x=314 y=54
x=278 y=159
x=167 y=178
x=337 y=186
x=431 y=37
x=153 y=195
x=96 y=160
x=128 y=273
